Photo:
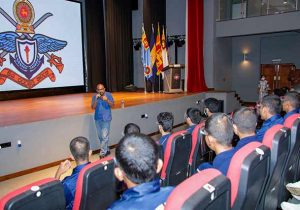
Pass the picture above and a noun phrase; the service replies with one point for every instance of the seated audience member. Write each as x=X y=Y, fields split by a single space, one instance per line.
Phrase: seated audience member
x=218 y=133
x=269 y=110
x=80 y=150
x=244 y=126
x=137 y=164
x=165 y=125
x=211 y=105
x=131 y=128
x=290 y=104
x=193 y=118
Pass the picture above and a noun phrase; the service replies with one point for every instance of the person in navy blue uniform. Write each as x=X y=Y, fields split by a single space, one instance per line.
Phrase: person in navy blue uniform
x=211 y=106
x=137 y=164
x=244 y=126
x=80 y=150
x=218 y=133
x=269 y=110
x=192 y=118
x=165 y=122
x=102 y=102
x=290 y=104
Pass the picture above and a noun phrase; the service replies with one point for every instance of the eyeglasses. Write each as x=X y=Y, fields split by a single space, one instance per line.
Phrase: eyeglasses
x=100 y=89
x=203 y=132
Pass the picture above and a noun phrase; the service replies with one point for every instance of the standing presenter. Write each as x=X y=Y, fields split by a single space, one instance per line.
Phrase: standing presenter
x=102 y=102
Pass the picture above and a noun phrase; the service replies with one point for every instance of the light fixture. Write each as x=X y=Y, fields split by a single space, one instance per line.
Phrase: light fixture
x=285 y=2
x=245 y=56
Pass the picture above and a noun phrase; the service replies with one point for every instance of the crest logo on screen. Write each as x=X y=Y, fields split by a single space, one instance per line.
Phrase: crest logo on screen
x=27 y=51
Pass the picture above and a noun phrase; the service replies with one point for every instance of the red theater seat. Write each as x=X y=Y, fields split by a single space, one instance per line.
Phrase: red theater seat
x=45 y=194
x=95 y=188
x=291 y=173
x=176 y=158
x=248 y=172
x=207 y=189
x=200 y=151
x=277 y=138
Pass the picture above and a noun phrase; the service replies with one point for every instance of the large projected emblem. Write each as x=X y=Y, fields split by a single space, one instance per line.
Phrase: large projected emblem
x=26 y=49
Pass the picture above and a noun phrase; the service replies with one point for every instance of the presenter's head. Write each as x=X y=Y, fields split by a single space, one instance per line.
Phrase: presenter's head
x=100 y=89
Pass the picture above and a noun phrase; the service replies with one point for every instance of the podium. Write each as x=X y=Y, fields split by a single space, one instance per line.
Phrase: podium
x=172 y=78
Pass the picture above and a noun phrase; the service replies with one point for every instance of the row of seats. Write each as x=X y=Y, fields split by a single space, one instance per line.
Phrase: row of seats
x=255 y=180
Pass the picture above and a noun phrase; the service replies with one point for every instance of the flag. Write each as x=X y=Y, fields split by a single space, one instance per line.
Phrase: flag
x=146 y=59
x=164 y=53
x=153 y=52
x=159 y=59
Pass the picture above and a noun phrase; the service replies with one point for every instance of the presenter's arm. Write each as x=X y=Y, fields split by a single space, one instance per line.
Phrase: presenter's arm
x=94 y=101
x=110 y=103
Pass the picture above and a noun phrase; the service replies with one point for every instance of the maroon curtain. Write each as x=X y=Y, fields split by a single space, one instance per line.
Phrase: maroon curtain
x=195 y=77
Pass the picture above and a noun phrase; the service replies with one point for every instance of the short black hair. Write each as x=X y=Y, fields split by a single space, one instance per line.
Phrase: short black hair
x=220 y=127
x=245 y=119
x=212 y=104
x=137 y=156
x=273 y=103
x=80 y=147
x=166 y=120
x=194 y=114
x=293 y=98
x=131 y=128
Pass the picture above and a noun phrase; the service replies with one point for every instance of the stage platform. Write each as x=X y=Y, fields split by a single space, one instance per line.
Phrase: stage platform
x=21 y=111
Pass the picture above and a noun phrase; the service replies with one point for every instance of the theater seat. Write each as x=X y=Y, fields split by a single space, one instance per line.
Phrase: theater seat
x=277 y=138
x=176 y=158
x=248 y=172
x=95 y=187
x=45 y=194
x=291 y=172
x=200 y=151
x=207 y=189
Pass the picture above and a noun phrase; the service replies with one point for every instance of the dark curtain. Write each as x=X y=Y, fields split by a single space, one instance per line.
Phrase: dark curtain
x=118 y=36
x=195 y=78
x=95 y=44
x=154 y=11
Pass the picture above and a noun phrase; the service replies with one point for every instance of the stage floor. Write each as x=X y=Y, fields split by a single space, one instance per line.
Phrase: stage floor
x=44 y=108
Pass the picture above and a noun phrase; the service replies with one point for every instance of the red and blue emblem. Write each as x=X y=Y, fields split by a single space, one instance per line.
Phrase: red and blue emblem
x=27 y=50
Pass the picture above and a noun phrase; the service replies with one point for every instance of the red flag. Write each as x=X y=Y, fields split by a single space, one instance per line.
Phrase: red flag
x=159 y=59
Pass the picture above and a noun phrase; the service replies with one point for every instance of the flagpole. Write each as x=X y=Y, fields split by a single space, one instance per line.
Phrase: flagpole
x=145 y=86
x=159 y=83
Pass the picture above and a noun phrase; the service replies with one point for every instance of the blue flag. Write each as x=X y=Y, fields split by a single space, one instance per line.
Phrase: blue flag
x=146 y=59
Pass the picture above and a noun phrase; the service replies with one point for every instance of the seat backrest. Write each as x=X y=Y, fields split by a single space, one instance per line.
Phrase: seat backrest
x=207 y=189
x=291 y=173
x=176 y=157
x=277 y=138
x=95 y=187
x=45 y=194
x=248 y=172
x=200 y=152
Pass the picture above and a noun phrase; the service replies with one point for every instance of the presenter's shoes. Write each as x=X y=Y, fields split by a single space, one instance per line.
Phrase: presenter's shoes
x=294 y=188
x=104 y=155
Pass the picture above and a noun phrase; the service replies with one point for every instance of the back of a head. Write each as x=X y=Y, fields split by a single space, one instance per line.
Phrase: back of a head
x=137 y=156
x=273 y=103
x=131 y=128
x=212 y=104
x=80 y=147
x=220 y=127
x=194 y=114
x=166 y=120
x=245 y=119
x=292 y=98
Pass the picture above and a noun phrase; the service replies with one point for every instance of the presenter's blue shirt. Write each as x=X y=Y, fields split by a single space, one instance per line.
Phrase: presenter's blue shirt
x=274 y=120
x=221 y=162
x=163 y=140
x=244 y=141
x=69 y=184
x=295 y=111
x=102 y=110
x=146 y=196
